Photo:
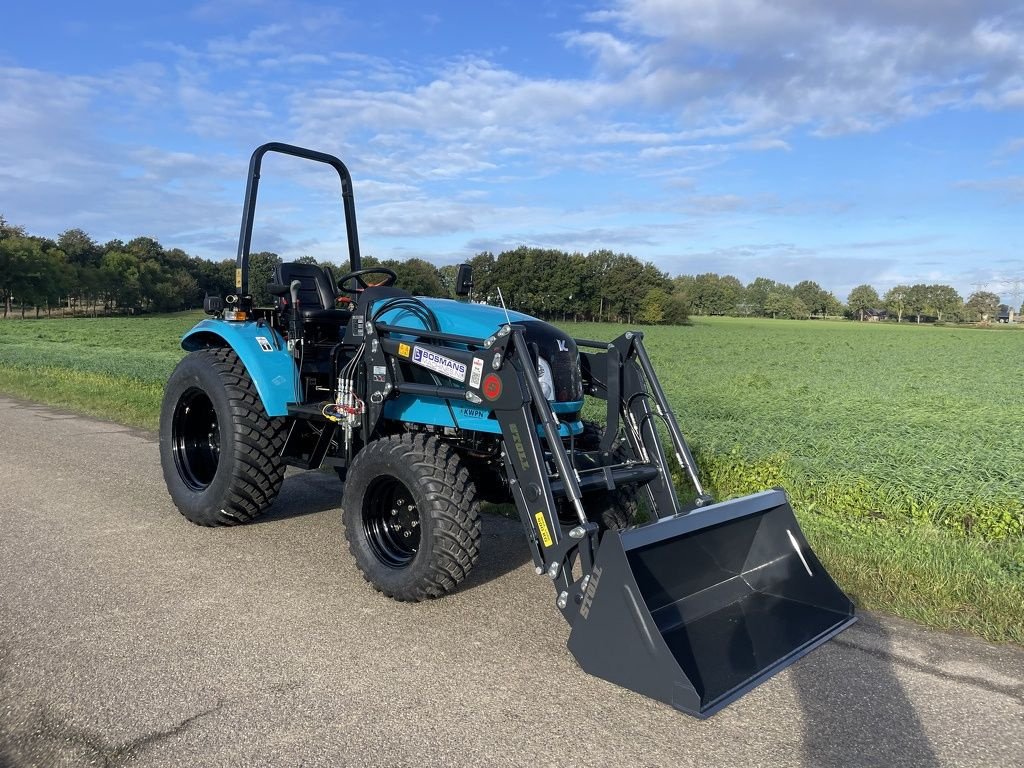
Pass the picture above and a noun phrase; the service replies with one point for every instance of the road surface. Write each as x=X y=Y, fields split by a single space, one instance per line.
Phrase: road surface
x=129 y=637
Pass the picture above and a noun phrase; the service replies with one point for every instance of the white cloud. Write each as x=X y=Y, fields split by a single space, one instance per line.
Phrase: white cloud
x=612 y=54
x=1006 y=185
x=1012 y=147
x=834 y=67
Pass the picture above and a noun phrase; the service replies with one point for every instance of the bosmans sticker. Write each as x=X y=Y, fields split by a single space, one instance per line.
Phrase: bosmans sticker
x=433 y=361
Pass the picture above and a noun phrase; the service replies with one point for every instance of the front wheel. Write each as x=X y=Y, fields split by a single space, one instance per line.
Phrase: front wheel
x=411 y=516
x=220 y=452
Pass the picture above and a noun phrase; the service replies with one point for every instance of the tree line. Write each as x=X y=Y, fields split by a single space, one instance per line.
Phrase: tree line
x=76 y=275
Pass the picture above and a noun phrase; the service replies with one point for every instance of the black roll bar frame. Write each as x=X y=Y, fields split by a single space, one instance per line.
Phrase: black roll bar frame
x=249 y=206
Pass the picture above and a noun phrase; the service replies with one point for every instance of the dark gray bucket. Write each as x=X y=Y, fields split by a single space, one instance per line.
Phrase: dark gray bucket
x=696 y=610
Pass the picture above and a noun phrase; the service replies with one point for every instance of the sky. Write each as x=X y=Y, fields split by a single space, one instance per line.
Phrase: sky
x=846 y=142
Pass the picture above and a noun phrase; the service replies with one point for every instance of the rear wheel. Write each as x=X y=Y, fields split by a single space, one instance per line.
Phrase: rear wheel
x=611 y=510
x=220 y=452
x=411 y=516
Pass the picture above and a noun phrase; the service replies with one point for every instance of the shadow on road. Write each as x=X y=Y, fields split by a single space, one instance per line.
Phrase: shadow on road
x=856 y=712
x=503 y=549
x=304 y=493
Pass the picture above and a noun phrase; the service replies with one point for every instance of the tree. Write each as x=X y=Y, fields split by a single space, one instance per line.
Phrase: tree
x=261 y=273
x=48 y=277
x=79 y=248
x=21 y=259
x=483 y=275
x=778 y=303
x=863 y=298
x=120 y=273
x=918 y=300
x=757 y=293
x=797 y=308
x=677 y=311
x=625 y=285
x=652 y=309
x=447 y=275
x=982 y=306
x=813 y=296
x=710 y=294
x=895 y=301
x=145 y=248
x=943 y=300
x=418 y=277
x=10 y=230
x=832 y=305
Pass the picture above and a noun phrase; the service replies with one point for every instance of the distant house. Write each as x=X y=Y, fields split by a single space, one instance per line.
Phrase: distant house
x=875 y=315
x=1006 y=315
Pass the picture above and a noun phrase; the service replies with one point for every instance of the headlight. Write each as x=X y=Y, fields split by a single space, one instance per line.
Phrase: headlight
x=547 y=380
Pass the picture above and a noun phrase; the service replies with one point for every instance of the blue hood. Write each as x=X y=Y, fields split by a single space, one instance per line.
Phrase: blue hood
x=477 y=320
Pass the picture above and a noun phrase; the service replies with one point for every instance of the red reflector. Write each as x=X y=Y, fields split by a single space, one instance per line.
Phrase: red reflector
x=492 y=386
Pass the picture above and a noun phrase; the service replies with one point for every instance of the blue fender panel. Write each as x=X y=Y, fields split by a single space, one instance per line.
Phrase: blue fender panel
x=273 y=371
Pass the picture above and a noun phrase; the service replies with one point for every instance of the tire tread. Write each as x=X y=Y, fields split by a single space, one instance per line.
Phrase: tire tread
x=450 y=497
x=257 y=468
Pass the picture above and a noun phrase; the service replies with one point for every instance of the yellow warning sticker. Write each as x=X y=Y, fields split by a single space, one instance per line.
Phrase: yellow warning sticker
x=404 y=350
x=542 y=526
x=238 y=279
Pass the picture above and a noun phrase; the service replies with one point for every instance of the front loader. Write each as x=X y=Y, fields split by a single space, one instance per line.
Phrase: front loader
x=425 y=406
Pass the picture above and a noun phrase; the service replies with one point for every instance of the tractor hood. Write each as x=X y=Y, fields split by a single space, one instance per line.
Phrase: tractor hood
x=552 y=345
x=480 y=320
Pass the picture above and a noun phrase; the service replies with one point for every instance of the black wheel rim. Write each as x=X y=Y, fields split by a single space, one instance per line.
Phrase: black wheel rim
x=391 y=522
x=195 y=436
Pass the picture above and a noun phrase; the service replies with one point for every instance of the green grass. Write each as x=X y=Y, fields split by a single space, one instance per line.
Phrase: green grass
x=899 y=445
x=925 y=574
x=920 y=423
x=902 y=449
x=114 y=368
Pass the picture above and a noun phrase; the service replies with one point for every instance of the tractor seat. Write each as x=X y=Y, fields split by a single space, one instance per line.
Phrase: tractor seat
x=317 y=292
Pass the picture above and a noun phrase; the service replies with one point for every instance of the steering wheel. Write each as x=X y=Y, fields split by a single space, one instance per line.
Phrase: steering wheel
x=390 y=276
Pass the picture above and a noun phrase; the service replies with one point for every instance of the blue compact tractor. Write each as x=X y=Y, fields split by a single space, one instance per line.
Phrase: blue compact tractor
x=426 y=406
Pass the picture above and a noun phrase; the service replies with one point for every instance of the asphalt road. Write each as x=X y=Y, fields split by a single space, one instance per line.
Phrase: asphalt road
x=129 y=637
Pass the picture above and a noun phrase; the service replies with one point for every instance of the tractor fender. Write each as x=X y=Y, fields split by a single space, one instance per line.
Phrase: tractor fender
x=262 y=351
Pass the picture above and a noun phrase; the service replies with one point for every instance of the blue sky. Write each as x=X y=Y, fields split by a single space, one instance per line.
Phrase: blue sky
x=851 y=141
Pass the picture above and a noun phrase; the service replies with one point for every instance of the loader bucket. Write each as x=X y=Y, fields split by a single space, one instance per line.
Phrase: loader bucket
x=697 y=609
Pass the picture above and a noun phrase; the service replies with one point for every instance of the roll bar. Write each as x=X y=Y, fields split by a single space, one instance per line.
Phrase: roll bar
x=249 y=207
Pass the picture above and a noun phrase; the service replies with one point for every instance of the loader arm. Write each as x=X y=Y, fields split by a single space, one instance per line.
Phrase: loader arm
x=694 y=608
x=499 y=374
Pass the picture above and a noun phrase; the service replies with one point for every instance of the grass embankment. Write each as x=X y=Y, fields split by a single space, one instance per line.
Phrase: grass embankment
x=901 y=447
x=113 y=368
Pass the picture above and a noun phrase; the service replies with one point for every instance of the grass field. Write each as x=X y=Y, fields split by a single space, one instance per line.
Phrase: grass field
x=866 y=419
x=901 y=446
